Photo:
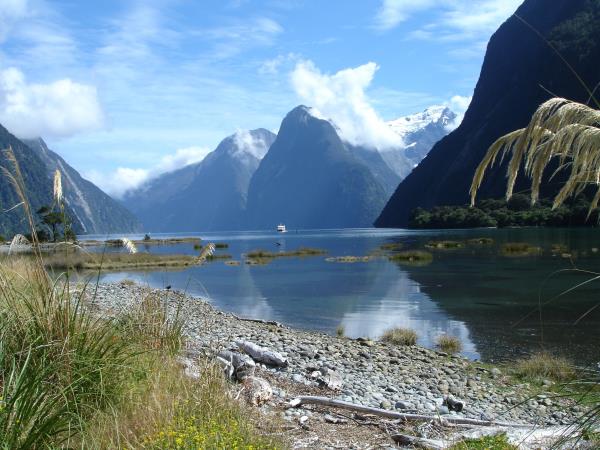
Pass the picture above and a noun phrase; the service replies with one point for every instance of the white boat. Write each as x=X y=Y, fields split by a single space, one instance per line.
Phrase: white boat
x=281 y=228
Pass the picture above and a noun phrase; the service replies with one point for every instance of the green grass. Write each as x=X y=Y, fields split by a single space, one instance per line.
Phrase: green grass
x=545 y=366
x=449 y=344
x=113 y=261
x=77 y=380
x=519 y=249
x=391 y=246
x=497 y=442
x=481 y=241
x=400 y=336
x=444 y=245
x=413 y=257
x=151 y=241
x=215 y=257
x=340 y=331
x=300 y=252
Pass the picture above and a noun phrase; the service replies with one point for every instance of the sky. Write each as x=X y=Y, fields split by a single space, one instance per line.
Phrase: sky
x=125 y=90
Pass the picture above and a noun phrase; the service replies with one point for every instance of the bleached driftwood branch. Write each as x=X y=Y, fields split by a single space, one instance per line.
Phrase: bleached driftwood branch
x=325 y=401
x=262 y=354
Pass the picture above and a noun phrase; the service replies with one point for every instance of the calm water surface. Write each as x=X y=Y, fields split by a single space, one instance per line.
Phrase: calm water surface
x=487 y=299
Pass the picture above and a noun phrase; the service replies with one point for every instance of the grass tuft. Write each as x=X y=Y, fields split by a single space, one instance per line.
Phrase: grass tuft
x=400 y=336
x=542 y=366
x=340 y=331
x=449 y=344
x=497 y=442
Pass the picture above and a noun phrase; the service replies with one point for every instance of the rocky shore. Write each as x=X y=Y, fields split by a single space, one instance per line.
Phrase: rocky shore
x=407 y=379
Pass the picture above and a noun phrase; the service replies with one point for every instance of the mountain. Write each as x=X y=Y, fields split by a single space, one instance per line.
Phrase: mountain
x=420 y=132
x=96 y=211
x=310 y=179
x=520 y=71
x=209 y=195
x=38 y=185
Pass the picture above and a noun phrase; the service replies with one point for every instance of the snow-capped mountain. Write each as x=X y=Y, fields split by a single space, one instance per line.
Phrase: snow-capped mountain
x=420 y=132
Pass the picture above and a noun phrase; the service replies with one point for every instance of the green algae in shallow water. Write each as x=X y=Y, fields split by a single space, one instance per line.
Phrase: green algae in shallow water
x=519 y=249
x=349 y=259
x=390 y=246
x=301 y=252
x=481 y=241
x=444 y=245
x=412 y=257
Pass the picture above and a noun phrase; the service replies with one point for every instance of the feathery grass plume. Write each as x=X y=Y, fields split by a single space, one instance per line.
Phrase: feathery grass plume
x=58 y=192
x=17 y=241
x=207 y=251
x=129 y=245
x=559 y=129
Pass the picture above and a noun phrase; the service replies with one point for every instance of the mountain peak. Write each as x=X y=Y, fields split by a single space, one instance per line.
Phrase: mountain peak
x=437 y=114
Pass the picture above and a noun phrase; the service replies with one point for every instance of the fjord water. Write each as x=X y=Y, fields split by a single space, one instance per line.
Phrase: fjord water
x=487 y=299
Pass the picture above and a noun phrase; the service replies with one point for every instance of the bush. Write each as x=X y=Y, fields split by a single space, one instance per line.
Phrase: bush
x=340 y=331
x=541 y=366
x=400 y=336
x=449 y=344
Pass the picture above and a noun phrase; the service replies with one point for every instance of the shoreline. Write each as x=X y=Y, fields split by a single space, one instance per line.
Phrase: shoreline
x=408 y=379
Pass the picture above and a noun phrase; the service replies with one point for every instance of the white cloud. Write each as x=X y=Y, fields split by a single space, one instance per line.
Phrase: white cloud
x=342 y=98
x=392 y=12
x=120 y=181
x=58 y=109
x=272 y=66
x=182 y=157
x=247 y=143
x=124 y=179
x=10 y=12
x=230 y=40
x=467 y=17
x=459 y=105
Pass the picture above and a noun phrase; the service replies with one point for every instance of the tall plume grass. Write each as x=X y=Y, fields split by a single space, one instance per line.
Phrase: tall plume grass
x=71 y=377
x=58 y=192
x=129 y=245
x=561 y=130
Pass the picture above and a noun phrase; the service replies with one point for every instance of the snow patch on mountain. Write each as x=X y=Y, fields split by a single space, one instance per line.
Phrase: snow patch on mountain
x=407 y=125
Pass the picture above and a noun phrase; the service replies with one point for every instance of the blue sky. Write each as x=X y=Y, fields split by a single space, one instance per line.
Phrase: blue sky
x=125 y=90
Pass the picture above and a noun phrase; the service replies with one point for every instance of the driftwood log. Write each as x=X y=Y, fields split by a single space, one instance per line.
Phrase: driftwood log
x=243 y=366
x=261 y=321
x=324 y=401
x=418 y=442
x=262 y=354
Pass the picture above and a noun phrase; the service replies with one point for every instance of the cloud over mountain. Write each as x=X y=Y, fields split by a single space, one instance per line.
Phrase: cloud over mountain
x=61 y=108
x=341 y=97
